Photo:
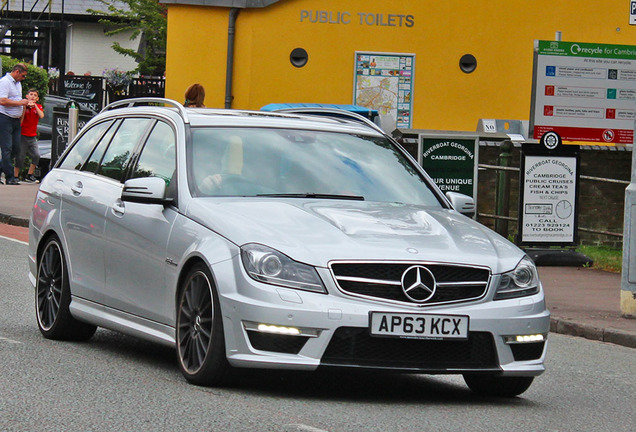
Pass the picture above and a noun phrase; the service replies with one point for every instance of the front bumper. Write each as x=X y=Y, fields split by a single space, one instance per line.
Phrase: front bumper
x=332 y=330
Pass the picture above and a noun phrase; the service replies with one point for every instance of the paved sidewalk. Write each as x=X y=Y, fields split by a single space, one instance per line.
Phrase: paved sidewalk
x=583 y=301
x=16 y=203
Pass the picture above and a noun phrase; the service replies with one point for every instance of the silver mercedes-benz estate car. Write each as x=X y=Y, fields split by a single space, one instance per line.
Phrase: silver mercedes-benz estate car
x=277 y=240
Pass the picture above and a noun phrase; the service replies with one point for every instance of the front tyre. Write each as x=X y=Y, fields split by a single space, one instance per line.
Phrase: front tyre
x=496 y=386
x=200 y=340
x=53 y=297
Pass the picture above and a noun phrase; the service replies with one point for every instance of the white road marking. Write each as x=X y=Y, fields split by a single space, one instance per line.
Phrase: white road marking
x=303 y=427
x=11 y=341
x=14 y=240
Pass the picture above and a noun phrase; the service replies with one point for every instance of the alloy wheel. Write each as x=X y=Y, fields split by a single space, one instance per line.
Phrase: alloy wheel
x=196 y=322
x=49 y=286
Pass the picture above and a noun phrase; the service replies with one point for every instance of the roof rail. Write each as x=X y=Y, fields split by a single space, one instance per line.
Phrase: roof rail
x=146 y=100
x=332 y=112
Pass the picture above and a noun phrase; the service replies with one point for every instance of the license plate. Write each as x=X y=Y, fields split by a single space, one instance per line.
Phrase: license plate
x=419 y=326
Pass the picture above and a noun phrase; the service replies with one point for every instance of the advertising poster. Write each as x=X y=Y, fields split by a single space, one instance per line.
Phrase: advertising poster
x=452 y=164
x=385 y=82
x=549 y=199
x=585 y=92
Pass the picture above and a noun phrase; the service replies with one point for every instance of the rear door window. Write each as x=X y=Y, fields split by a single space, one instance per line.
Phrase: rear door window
x=157 y=158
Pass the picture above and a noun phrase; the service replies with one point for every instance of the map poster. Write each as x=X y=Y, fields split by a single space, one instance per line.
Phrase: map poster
x=384 y=82
x=548 y=205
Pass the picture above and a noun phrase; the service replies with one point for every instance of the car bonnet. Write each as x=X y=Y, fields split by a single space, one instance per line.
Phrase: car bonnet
x=317 y=231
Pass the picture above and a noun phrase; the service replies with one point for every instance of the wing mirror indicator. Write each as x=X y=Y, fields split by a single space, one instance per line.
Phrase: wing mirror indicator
x=145 y=190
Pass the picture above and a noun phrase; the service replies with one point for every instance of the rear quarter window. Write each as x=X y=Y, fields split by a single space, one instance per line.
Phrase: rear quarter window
x=78 y=154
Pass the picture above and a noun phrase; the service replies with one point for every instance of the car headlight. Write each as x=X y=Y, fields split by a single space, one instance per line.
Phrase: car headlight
x=267 y=265
x=522 y=281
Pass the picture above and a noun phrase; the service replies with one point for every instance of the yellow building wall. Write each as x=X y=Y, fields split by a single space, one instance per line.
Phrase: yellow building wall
x=499 y=33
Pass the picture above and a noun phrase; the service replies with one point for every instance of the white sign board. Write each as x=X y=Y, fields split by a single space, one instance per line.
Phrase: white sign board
x=549 y=199
x=585 y=92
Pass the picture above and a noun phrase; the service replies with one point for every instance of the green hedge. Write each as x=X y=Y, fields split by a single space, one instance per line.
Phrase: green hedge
x=37 y=77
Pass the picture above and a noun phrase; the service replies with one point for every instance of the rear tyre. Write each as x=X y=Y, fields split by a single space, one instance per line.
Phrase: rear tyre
x=489 y=385
x=53 y=296
x=200 y=340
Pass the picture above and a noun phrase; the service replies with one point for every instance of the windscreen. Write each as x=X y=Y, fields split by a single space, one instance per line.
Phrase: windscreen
x=298 y=163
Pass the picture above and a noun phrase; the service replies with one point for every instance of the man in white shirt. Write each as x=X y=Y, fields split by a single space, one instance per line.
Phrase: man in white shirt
x=11 y=106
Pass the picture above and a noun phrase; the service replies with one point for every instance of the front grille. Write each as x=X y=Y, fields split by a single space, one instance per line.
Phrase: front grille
x=353 y=346
x=276 y=343
x=384 y=281
x=527 y=351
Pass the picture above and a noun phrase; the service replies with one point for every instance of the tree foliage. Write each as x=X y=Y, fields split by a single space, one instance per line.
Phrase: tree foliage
x=145 y=18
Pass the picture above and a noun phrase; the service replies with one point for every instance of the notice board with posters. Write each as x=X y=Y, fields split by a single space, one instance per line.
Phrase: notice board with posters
x=585 y=92
x=451 y=162
x=384 y=82
x=548 y=201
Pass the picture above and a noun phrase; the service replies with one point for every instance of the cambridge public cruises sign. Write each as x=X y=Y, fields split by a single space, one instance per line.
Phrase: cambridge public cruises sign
x=548 y=204
x=585 y=92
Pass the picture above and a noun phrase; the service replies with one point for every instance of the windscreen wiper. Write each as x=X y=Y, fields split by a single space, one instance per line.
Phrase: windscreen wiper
x=313 y=195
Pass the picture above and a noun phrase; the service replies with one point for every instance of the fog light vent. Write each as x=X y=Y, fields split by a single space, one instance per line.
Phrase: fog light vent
x=277 y=343
x=527 y=351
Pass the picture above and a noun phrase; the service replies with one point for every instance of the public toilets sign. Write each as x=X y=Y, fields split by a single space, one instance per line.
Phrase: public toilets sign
x=585 y=92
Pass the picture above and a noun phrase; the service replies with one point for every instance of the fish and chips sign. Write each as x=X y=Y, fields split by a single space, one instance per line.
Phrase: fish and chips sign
x=548 y=202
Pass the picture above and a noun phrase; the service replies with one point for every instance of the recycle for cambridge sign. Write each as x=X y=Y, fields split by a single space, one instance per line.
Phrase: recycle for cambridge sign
x=585 y=92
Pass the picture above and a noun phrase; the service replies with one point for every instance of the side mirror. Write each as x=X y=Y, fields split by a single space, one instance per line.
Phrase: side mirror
x=145 y=190
x=462 y=203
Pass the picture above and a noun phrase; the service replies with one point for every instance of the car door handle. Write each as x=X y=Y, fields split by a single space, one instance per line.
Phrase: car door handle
x=118 y=208
x=77 y=188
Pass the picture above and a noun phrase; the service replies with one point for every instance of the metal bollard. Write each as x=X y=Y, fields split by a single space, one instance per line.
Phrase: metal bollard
x=73 y=118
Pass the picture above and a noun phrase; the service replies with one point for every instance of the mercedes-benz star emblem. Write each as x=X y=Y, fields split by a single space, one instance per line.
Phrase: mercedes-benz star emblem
x=418 y=283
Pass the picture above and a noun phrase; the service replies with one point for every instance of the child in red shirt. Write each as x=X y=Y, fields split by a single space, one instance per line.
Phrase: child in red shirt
x=31 y=115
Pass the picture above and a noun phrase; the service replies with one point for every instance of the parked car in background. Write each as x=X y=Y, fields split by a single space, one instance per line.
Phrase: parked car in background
x=277 y=240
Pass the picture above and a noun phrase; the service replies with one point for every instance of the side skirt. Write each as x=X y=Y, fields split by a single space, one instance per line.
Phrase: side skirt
x=122 y=322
